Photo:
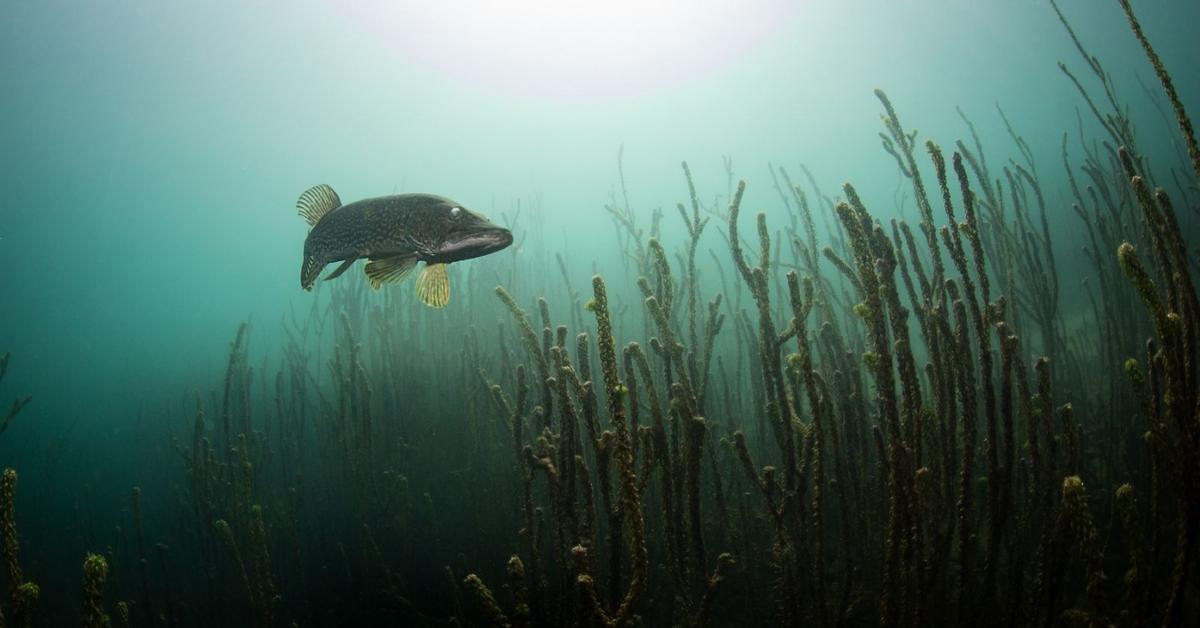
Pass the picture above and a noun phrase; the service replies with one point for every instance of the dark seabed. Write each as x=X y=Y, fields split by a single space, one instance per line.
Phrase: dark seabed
x=815 y=314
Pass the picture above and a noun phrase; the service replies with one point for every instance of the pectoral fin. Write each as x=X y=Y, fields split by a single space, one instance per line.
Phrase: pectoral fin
x=389 y=269
x=341 y=269
x=433 y=286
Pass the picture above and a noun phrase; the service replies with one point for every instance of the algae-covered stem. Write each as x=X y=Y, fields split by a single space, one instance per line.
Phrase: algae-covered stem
x=630 y=496
x=22 y=594
x=800 y=311
x=1185 y=123
x=17 y=405
x=778 y=405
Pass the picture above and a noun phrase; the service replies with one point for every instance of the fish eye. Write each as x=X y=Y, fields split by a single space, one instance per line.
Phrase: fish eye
x=455 y=212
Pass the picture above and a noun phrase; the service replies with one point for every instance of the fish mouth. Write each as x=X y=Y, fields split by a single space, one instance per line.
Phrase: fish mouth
x=475 y=244
x=309 y=272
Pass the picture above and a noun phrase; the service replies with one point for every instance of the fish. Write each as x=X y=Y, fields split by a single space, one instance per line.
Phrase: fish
x=393 y=233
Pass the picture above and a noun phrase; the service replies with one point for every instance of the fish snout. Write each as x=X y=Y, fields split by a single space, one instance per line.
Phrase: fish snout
x=504 y=238
x=492 y=240
x=476 y=244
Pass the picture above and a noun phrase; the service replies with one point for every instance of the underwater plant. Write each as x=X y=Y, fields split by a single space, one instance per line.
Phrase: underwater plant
x=22 y=594
x=18 y=404
x=838 y=414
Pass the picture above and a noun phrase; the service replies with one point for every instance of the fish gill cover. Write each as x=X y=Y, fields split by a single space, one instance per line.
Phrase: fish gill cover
x=961 y=389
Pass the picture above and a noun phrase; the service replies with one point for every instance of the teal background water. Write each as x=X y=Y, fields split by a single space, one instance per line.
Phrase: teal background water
x=153 y=152
x=151 y=155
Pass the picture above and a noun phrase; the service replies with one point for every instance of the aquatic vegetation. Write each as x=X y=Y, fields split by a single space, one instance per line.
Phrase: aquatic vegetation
x=22 y=594
x=885 y=423
x=17 y=405
x=95 y=573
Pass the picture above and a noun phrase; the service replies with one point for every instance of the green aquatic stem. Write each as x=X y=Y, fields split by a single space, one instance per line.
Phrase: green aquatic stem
x=1185 y=122
x=778 y=404
x=905 y=141
x=8 y=530
x=483 y=595
x=22 y=594
x=17 y=405
x=531 y=343
x=630 y=497
x=1084 y=534
x=804 y=368
x=95 y=573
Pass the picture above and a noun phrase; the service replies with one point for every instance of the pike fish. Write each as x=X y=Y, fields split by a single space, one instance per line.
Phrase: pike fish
x=393 y=233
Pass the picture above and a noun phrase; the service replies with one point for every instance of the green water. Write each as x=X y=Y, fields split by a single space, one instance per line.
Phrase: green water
x=348 y=457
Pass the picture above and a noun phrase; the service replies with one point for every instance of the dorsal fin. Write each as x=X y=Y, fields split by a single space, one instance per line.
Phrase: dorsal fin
x=316 y=202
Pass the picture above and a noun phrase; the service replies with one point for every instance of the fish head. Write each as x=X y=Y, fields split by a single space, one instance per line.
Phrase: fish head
x=456 y=233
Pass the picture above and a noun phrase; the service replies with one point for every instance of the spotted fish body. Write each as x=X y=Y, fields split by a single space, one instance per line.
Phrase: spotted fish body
x=394 y=233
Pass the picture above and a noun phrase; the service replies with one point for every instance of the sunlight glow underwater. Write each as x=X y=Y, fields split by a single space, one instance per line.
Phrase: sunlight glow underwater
x=569 y=50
